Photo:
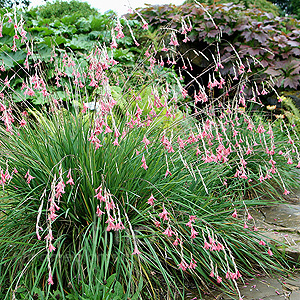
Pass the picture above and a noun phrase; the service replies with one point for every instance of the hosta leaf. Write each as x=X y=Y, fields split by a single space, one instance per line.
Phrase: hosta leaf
x=116 y=93
x=15 y=82
x=5 y=48
x=126 y=41
x=123 y=54
x=50 y=73
x=60 y=95
x=6 y=40
x=18 y=95
x=68 y=71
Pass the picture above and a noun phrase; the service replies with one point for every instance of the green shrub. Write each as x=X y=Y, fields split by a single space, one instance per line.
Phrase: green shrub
x=60 y=8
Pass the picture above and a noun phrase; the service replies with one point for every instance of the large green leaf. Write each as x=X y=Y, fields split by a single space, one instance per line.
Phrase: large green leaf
x=83 y=25
x=54 y=40
x=56 y=24
x=18 y=96
x=39 y=99
x=97 y=24
x=80 y=42
x=123 y=55
x=6 y=40
x=13 y=58
x=93 y=35
x=5 y=48
x=8 y=29
x=68 y=20
x=70 y=29
x=44 y=51
x=42 y=30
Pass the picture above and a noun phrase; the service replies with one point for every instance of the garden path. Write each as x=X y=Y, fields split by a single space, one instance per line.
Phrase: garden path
x=280 y=224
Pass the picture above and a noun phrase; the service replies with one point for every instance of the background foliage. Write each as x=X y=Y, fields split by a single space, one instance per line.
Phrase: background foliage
x=11 y=3
x=205 y=168
x=62 y=8
x=271 y=42
x=264 y=5
x=291 y=7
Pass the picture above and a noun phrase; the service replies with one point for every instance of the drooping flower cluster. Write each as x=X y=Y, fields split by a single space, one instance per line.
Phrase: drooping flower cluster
x=109 y=207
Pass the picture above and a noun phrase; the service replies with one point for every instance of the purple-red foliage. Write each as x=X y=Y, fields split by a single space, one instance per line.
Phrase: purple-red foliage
x=273 y=41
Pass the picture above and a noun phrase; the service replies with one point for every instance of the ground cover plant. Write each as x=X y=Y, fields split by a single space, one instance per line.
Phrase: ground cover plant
x=120 y=186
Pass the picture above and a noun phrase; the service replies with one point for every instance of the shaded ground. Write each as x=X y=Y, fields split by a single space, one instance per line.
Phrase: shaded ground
x=272 y=289
x=280 y=224
x=264 y=288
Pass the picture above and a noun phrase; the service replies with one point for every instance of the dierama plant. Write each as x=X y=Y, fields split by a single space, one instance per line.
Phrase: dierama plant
x=130 y=194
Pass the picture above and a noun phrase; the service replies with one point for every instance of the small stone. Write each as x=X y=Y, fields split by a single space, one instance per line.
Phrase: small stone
x=295 y=295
